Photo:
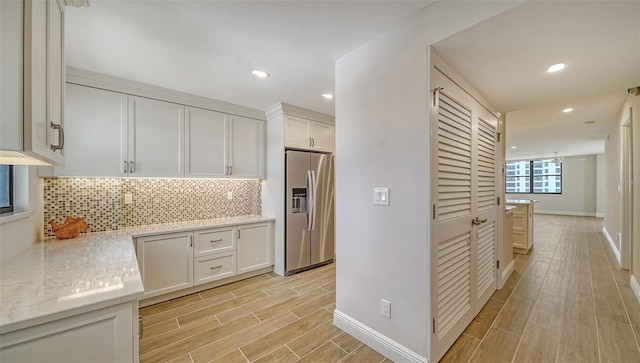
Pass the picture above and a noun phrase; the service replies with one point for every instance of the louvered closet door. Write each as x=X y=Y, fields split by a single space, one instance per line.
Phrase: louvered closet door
x=463 y=183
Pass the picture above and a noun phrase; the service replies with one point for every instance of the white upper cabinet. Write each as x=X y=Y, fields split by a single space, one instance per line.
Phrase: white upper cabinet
x=220 y=145
x=322 y=136
x=96 y=132
x=246 y=157
x=32 y=106
x=155 y=138
x=206 y=143
x=305 y=134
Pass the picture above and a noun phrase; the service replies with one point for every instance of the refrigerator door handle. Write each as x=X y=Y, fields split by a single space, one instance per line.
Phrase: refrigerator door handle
x=314 y=186
x=310 y=200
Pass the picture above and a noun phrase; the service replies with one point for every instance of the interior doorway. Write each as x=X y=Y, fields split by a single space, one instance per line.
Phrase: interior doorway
x=626 y=169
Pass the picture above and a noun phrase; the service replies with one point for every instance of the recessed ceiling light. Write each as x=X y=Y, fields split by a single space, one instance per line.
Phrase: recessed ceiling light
x=327 y=96
x=567 y=110
x=556 y=67
x=514 y=147
x=260 y=74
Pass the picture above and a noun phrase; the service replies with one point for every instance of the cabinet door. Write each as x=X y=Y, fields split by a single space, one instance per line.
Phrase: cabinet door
x=96 y=132
x=206 y=144
x=155 y=138
x=296 y=133
x=322 y=137
x=105 y=335
x=166 y=262
x=254 y=247
x=44 y=79
x=247 y=148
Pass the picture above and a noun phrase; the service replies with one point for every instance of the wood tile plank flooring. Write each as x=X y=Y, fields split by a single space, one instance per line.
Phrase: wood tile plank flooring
x=566 y=301
x=268 y=318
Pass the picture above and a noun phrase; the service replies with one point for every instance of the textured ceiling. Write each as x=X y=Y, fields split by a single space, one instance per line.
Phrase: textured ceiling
x=209 y=48
x=506 y=58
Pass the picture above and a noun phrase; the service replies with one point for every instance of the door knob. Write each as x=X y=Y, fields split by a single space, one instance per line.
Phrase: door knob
x=477 y=221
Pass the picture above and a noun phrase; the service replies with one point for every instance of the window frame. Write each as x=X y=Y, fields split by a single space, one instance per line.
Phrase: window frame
x=531 y=177
x=10 y=207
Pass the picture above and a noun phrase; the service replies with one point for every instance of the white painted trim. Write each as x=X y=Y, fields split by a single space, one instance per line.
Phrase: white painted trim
x=372 y=338
x=635 y=287
x=98 y=80
x=565 y=213
x=507 y=272
x=10 y=217
x=287 y=109
x=614 y=249
x=599 y=215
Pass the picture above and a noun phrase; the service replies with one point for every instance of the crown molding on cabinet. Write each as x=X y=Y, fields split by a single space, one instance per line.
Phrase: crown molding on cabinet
x=110 y=83
x=285 y=108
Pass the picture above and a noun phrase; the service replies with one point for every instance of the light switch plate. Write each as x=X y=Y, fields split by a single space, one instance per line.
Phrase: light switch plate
x=381 y=196
x=128 y=198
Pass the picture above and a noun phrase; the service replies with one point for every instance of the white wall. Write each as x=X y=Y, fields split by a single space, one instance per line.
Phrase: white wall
x=601 y=184
x=382 y=139
x=16 y=234
x=579 y=189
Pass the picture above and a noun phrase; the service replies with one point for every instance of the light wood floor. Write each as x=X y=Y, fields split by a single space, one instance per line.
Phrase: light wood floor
x=268 y=318
x=566 y=301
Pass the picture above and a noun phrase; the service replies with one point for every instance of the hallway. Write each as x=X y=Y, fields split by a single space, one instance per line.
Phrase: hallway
x=566 y=301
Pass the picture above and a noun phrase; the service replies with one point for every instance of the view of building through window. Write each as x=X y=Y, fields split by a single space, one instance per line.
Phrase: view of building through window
x=6 y=189
x=534 y=176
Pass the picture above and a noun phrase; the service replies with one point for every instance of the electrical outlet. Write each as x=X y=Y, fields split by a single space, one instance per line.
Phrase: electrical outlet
x=229 y=195
x=385 y=308
x=128 y=198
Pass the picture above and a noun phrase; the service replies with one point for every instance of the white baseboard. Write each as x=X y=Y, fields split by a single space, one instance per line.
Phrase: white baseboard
x=565 y=213
x=507 y=272
x=614 y=249
x=599 y=215
x=379 y=342
x=635 y=287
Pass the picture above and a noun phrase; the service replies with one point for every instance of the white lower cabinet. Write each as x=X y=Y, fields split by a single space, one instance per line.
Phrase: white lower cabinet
x=176 y=261
x=165 y=262
x=105 y=335
x=254 y=248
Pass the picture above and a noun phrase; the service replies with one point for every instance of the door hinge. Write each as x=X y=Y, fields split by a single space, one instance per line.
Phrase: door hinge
x=498 y=136
x=498 y=200
x=497 y=263
x=433 y=215
x=434 y=325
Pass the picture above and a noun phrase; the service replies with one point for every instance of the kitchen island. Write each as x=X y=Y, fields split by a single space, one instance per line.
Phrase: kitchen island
x=77 y=299
x=522 y=224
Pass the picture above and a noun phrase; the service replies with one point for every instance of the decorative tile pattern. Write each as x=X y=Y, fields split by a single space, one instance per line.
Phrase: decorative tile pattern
x=100 y=201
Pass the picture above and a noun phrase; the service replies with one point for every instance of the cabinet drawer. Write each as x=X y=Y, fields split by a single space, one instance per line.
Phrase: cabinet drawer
x=213 y=241
x=215 y=267
x=520 y=240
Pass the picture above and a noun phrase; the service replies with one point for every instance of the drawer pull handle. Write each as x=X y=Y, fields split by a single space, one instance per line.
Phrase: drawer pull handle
x=216 y=240
x=216 y=267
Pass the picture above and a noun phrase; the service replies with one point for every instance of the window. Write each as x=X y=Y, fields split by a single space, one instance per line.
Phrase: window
x=534 y=176
x=6 y=189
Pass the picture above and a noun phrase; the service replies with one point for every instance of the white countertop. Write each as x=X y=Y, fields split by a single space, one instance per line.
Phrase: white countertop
x=521 y=201
x=56 y=279
x=509 y=208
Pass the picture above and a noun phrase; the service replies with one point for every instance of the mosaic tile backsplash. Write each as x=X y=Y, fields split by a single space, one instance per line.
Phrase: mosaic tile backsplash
x=100 y=201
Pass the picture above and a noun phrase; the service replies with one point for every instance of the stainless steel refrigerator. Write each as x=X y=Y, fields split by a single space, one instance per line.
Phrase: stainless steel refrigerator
x=309 y=237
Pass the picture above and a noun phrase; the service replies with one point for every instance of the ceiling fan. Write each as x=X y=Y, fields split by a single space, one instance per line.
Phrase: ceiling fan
x=556 y=159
